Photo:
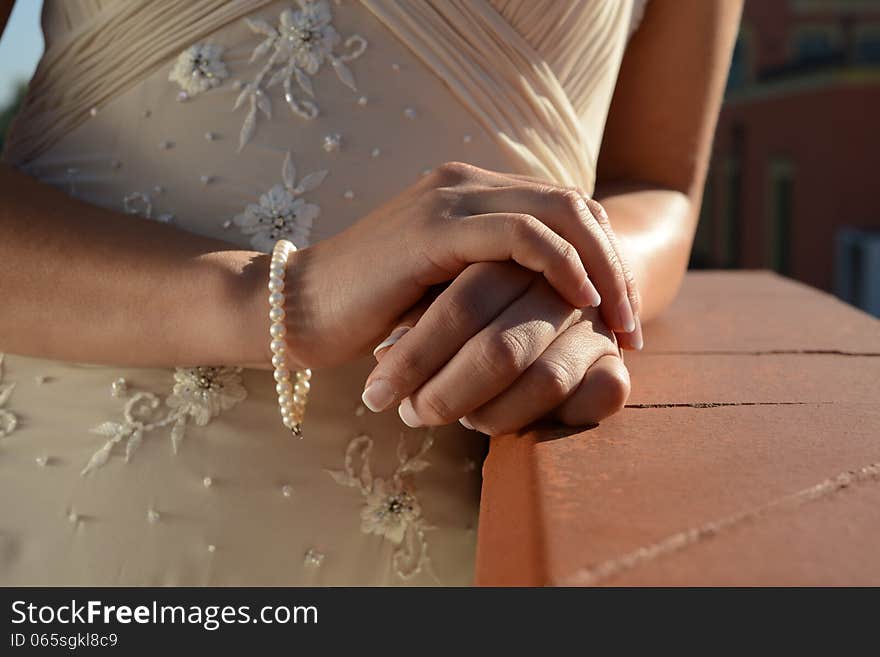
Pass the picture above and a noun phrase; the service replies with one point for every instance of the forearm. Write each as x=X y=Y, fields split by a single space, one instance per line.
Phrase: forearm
x=655 y=227
x=83 y=283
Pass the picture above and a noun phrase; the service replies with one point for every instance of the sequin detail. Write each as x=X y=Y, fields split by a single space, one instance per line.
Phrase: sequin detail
x=295 y=49
x=198 y=69
x=281 y=212
x=199 y=393
x=391 y=509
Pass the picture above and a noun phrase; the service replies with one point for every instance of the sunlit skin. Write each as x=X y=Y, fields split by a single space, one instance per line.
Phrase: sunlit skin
x=82 y=283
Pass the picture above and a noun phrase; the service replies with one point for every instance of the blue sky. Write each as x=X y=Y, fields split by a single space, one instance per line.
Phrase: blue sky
x=20 y=47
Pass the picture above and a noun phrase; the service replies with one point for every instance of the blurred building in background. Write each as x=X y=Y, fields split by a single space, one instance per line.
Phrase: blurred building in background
x=793 y=184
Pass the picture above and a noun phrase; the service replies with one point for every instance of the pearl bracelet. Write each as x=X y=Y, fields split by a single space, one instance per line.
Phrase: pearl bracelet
x=292 y=397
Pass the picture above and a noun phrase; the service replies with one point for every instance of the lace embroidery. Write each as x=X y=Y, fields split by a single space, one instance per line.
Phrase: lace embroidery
x=295 y=50
x=8 y=420
x=281 y=213
x=391 y=509
x=200 y=393
x=199 y=68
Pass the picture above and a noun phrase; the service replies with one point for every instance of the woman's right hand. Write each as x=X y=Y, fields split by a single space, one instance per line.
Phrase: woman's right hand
x=345 y=293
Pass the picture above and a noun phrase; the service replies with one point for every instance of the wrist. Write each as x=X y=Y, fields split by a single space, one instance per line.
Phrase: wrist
x=238 y=308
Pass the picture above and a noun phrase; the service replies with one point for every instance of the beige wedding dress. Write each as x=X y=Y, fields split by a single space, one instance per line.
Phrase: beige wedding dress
x=249 y=121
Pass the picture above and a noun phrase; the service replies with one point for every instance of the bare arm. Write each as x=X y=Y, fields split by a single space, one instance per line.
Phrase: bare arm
x=82 y=283
x=655 y=152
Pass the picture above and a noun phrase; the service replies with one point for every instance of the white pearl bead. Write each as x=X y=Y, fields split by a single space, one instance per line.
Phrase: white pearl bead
x=277 y=314
x=277 y=330
x=278 y=271
x=276 y=284
x=279 y=360
x=303 y=375
x=302 y=387
x=282 y=374
x=289 y=422
x=287 y=490
x=207 y=482
x=284 y=400
x=276 y=299
x=278 y=346
x=299 y=400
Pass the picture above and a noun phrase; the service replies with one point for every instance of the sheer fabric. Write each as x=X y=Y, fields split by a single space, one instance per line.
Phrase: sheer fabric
x=247 y=121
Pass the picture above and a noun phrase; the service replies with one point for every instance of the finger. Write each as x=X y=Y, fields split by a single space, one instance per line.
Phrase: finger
x=469 y=304
x=492 y=359
x=632 y=341
x=404 y=324
x=635 y=341
x=529 y=242
x=603 y=392
x=568 y=214
x=550 y=380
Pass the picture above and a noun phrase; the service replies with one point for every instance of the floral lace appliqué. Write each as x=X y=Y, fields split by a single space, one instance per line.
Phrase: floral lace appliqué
x=391 y=509
x=8 y=420
x=281 y=213
x=199 y=68
x=199 y=393
x=295 y=50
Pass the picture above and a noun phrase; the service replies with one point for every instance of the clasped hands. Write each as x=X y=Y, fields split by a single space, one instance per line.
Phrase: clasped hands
x=502 y=298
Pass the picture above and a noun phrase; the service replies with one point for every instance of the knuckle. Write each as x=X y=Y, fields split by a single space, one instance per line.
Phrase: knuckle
x=501 y=353
x=453 y=173
x=597 y=210
x=460 y=314
x=553 y=379
x=571 y=201
x=404 y=367
x=523 y=227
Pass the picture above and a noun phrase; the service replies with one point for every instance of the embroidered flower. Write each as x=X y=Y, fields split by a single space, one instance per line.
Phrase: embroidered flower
x=203 y=392
x=294 y=50
x=199 y=68
x=391 y=509
x=306 y=36
x=281 y=213
x=8 y=420
x=200 y=393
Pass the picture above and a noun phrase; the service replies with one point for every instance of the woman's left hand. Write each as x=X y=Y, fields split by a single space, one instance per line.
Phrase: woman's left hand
x=498 y=349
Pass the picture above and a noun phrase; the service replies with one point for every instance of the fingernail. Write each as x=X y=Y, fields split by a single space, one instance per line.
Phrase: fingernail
x=393 y=337
x=638 y=341
x=408 y=414
x=590 y=294
x=378 y=395
x=625 y=313
x=467 y=425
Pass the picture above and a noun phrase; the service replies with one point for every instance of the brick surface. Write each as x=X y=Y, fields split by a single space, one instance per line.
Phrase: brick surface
x=727 y=448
